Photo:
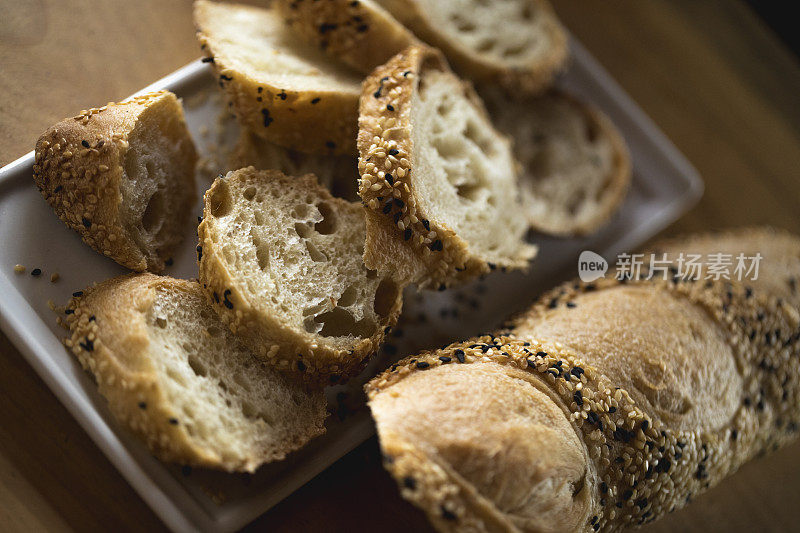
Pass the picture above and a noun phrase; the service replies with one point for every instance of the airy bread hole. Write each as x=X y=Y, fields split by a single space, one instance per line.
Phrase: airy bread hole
x=486 y=45
x=197 y=367
x=348 y=297
x=577 y=487
x=215 y=331
x=385 y=296
x=339 y=323
x=300 y=211
x=327 y=225
x=514 y=50
x=154 y=212
x=591 y=131
x=475 y=134
x=220 y=201
x=302 y=230
x=249 y=193
x=576 y=201
x=316 y=255
x=262 y=251
x=161 y=322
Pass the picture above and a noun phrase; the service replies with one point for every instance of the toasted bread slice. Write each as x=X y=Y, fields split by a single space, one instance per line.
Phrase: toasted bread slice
x=280 y=259
x=178 y=379
x=519 y=44
x=281 y=87
x=439 y=182
x=360 y=34
x=576 y=167
x=122 y=176
x=339 y=173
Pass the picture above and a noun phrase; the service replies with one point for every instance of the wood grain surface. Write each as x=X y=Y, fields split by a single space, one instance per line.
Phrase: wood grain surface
x=708 y=72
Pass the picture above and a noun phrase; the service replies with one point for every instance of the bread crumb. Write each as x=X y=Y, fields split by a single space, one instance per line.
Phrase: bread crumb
x=55 y=276
x=19 y=269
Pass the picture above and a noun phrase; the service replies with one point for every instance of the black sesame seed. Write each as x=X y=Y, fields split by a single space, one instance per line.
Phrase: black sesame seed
x=389 y=178
x=315 y=101
x=393 y=151
x=282 y=95
x=199 y=253
x=68 y=311
x=207 y=60
x=578 y=397
x=58 y=189
x=77 y=294
x=326 y=27
x=267 y=119
x=169 y=262
x=387 y=208
x=330 y=144
x=459 y=355
x=86 y=222
x=576 y=371
x=447 y=514
x=225 y=78
x=441 y=287
x=410 y=483
x=422 y=365
x=85 y=143
x=426 y=224
x=390 y=107
x=36 y=272
x=173 y=421
x=407 y=234
x=436 y=246
x=87 y=345
x=227 y=302
x=397 y=217
x=603 y=487
x=571 y=305
x=301 y=366
x=444 y=359
x=92 y=318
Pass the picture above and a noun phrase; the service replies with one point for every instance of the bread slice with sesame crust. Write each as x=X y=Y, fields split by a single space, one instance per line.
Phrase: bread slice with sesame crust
x=518 y=44
x=281 y=87
x=339 y=173
x=122 y=176
x=439 y=182
x=575 y=166
x=181 y=382
x=606 y=405
x=280 y=259
x=360 y=34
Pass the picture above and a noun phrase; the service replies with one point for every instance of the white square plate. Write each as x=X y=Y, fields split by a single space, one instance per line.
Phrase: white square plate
x=664 y=186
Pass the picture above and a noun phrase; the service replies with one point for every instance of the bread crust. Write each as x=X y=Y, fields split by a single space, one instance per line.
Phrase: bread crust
x=531 y=79
x=290 y=350
x=361 y=34
x=646 y=464
x=306 y=120
x=78 y=168
x=419 y=250
x=109 y=337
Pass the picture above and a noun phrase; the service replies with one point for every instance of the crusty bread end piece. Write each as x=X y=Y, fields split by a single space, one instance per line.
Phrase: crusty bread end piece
x=280 y=259
x=180 y=381
x=360 y=34
x=122 y=176
x=575 y=166
x=439 y=182
x=518 y=44
x=279 y=86
x=339 y=173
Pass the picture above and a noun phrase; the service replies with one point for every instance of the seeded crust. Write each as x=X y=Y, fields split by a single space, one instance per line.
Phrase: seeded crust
x=79 y=168
x=401 y=238
x=320 y=120
x=445 y=33
x=361 y=34
x=284 y=343
x=576 y=168
x=111 y=337
x=670 y=386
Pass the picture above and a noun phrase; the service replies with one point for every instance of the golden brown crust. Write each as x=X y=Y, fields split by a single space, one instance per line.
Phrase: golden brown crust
x=108 y=335
x=306 y=120
x=423 y=250
x=285 y=348
x=530 y=80
x=360 y=34
x=647 y=462
x=78 y=166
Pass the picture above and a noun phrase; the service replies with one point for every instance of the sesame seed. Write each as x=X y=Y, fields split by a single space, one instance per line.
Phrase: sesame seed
x=19 y=269
x=36 y=272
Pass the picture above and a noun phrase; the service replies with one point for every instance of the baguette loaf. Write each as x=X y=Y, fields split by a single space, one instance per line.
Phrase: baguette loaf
x=439 y=183
x=339 y=173
x=519 y=44
x=122 y=176
x=576 y=167
x=360 y=34
x=173 y=374
x=279 y=86
x=280 y=259
x=606 y=405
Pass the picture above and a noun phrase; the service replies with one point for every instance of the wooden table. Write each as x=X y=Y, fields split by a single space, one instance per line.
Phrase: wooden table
x=709 y=73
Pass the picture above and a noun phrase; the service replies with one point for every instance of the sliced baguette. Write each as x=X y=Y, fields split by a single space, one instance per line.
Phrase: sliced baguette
x=279 y=86
x=519 y=44
x=339 y=173
x=280 y=259
x=439 y=183
x=360 y=34
x=576 y=167
x=180 y=381
x=122 y=176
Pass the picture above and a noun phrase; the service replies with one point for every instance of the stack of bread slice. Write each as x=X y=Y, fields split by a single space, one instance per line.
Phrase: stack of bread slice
x=365 y=164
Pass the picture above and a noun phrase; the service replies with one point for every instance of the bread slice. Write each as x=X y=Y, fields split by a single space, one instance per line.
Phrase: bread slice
x=576 y=167
x=360 y=34
x=122 y=176
x=519 y=44
x=439 y=183
x=279 y=86
x=339 y=173
x=179 y=380
x=280 y=259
